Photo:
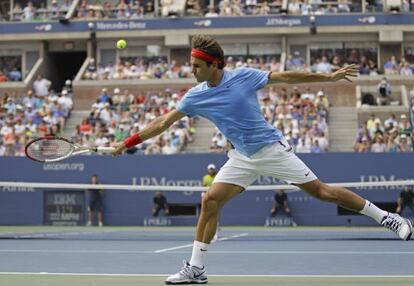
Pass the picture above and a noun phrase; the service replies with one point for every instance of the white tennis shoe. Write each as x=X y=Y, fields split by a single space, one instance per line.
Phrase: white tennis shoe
x=401 y=226
x=189 y=274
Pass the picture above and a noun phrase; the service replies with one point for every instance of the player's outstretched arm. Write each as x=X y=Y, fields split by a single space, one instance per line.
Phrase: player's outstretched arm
x=295 y=77
x=154 y=128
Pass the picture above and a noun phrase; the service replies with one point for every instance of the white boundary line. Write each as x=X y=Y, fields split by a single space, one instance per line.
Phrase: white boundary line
x=41 y=185
x=173 y=248
x=233 y=236
x=218 y=275
x=190 y=245
x=305 y=252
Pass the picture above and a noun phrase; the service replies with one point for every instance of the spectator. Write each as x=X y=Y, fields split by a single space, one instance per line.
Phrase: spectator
x=138 y=12
x=193 y=8
x=315 y=147
x=17 y=12
x=295 y=62
x=211 y=12
x=29 y=12
x=304 y=144
x=391 y=66
x=90 y=72
x=364 y=146
x=105 y=97
x=384 y=91
x=149 y=9
x=264 y=9
x=343 y=6
x=41 y=86
x=66 y=102
x=160 y=203
x=370 y=124
x=95 y=202
x=308 y=94
x=403 y=144
x=3 y=77
x=404 y=125
x=378 y=146
x=218 y=143
x=406 y=69
x=295 y=7
x=321 y=103
x=15 y=74
x=406 y=199
x=324 y=66
x=390 y=123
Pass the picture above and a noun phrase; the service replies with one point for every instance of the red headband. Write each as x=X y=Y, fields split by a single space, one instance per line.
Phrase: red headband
x=205 y=57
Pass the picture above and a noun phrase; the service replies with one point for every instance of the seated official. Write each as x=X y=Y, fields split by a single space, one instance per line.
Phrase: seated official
x=405 y=200
x=280 y=202
x=160 y=203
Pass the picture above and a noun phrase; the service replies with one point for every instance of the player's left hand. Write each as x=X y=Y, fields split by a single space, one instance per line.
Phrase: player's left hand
x=345 y=72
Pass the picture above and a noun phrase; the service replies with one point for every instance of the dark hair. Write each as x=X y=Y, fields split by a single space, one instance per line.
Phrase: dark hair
x=210 y=46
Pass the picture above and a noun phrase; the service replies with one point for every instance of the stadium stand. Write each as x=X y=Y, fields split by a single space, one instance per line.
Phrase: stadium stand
x=115 y=115
x=158 y=68
x=23 y=118
x=153 y=63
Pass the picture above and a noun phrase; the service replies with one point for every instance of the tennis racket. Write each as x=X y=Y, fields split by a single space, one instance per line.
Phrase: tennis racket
x=52 y=149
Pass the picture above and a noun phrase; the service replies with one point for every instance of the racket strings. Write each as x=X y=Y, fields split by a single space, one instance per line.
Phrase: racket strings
x=49 y=149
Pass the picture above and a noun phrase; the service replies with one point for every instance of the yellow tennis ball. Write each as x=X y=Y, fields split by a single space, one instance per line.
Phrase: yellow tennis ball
x=121 y=44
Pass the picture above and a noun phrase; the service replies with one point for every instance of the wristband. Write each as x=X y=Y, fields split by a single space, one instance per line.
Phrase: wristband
x=133 y=140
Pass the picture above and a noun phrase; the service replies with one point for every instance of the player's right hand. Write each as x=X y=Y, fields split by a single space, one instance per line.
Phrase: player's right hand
x=119 y=149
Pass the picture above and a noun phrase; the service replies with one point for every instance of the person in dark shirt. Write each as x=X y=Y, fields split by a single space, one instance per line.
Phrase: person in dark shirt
x=280 y=202
x=406 y=199
x=160 y=203
x=95 y=202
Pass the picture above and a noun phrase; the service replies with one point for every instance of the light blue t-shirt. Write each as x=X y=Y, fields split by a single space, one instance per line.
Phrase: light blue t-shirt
x=233 y=107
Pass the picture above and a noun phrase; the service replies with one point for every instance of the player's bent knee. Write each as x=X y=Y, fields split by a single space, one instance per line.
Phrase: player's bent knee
x=209 y=205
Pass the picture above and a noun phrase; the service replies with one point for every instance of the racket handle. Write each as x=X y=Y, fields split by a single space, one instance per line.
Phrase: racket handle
x=105 y=149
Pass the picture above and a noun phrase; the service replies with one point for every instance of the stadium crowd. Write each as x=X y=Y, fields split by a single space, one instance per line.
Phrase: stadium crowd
x=329 y=61
x=319 y=7
x=10 y=68
x=391 y=135
x=134 y=9
x=116 y=115
x=29 y=11
x=159 y=68
x=40 y=112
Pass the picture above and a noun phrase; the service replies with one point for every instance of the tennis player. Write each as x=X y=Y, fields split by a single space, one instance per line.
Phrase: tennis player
x=228 y=99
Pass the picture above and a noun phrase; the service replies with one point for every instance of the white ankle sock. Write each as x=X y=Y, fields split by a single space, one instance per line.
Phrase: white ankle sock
x=373 y=211
x=199 y=251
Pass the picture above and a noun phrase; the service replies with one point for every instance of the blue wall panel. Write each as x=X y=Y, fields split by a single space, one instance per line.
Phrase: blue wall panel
x=25 y=205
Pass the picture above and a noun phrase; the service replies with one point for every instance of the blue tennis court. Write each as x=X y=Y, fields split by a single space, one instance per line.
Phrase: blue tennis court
x=242 y=256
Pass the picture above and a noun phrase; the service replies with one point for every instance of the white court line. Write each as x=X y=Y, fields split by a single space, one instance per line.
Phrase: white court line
x=52 y=234
x=233 y=236
x=190 y=245
x=217 y=275
x=77 y=251
x=173 y=248
x=305 y=252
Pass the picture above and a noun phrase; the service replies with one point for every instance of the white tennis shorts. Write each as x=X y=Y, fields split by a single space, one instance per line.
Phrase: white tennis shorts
x=274 y=160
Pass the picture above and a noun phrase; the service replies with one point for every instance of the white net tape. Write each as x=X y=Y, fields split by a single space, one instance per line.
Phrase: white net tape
x=398 y=184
